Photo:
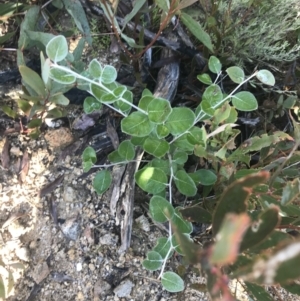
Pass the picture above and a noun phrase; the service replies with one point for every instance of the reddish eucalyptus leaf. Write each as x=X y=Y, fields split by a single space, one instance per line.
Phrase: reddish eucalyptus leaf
x=234 y=198
x=262 y=228
x=228 y=239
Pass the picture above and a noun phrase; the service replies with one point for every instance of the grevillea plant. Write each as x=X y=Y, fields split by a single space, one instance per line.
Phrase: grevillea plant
x=248 y=204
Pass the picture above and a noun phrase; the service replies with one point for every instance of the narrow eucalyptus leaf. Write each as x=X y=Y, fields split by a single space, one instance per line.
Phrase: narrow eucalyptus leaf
x=33 y=80
x=197 y=30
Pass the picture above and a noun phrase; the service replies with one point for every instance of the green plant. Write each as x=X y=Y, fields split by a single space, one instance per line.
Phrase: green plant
x=247 y=212
x=251 y=31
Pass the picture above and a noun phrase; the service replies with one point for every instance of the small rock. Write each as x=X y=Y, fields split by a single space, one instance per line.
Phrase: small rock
x=71 y=228
x=15 y=151
x=78 y=266
x=59 y=137
x=41 y=271
x=80 y=296
x=22 y=253
x=69 y=194
x=143 y=223
x=124 y=289
x=108 y=239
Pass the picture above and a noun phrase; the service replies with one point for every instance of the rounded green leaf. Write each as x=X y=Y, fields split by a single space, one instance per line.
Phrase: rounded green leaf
x=97 y=91
x=156 y=147
x=214 y=64
x=95 y=69
x=138 y=141
x=62 y=76
x=163 y=246
x=108 y=98
x=180 y=157
x=266 y=77
x=151 y=179
x=176 y=245
x=102 y=181
x=89 y=158
x=197 y=135
x=180 y=120
x=181 y=224
x=205 y=79
x=91 y=104
x=204 y=177
x=137 y=124
x=244 y=101
x=159 y=109
x=236 y=74
x=212 y=98
x=114 y=157
x=119 y=91
x=153 y=262
x=89 y=154
x=57 y=48
x=121 y=105
x=162 y=131
x=162 y=164
x=126 y=150
x=185 y=183
x=144 y=102
x=109 y=74
x=160 y=209
x=172 y=282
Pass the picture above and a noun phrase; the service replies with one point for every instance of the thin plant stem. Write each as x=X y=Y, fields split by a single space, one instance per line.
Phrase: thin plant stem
x=98 y=84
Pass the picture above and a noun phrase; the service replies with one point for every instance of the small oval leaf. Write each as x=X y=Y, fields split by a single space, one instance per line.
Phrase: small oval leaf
x=172 y=282
x=244 y=101
x=266 y=77
x=102 y=181
x=236 y=74
x=160 y=209
x=57 y=48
